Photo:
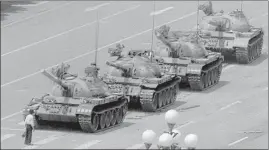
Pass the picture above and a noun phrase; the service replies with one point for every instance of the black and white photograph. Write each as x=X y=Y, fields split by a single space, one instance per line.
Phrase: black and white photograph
x=150 y=74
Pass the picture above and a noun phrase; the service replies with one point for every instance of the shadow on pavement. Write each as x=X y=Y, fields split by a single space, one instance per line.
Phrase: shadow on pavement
x=75 y=128
x=8 y=7
x=259 y=60
x=185 y=88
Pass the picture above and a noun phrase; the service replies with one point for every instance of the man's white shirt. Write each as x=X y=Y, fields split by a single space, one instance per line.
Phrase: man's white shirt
x=29 y=120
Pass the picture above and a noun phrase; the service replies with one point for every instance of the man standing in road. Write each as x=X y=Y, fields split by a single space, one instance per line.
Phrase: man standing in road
x=29 y=124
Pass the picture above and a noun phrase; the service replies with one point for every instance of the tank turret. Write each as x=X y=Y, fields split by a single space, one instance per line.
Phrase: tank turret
x=177 y=44
x=83 y=100
x=230 y=33
x=126 y=71
x=89 y=86
x=184 y=55
x=139 y=77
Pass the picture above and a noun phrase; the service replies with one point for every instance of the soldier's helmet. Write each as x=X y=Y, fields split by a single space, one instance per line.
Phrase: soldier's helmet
x=92 y=70
x=119 y=46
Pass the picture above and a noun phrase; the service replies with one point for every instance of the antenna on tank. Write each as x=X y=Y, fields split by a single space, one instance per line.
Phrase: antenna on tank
x=152 y=33
x=197 y=21
x=97 y=36
x=241 y=5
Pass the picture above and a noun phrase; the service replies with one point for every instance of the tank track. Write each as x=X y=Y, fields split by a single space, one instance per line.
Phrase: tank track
x=153 y=100
x=104 y=118
x=209 y=77
x=252 y=52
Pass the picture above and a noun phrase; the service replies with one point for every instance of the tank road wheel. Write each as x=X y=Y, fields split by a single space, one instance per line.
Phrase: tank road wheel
x=210 y=78
x=174 y=94
x=215 y=75
x=219 y=70
x=114 y=117
x=242 y=55
x=160 y=97
x=88 y=124
x=170 y=96
x=203 y=81
x=119 y=115
x=124 y=109
x=166 y=98
x=260 y=47
x=102 y=120
x=108 y=118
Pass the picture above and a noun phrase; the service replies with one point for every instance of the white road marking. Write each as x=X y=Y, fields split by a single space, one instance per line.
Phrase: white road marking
x=88 y=145
x=184 y=125
x=136 y=146
x=234 y=103
x=38 y=14
x=161 y=11
x=120 y=12
x=87 y=53
x=32 y=5
x=6 y=136
x=65 y=32
x=11 y=115
x=42 y=142
x=96 y=7
x=21 y=123
x=12 y=129
x=233 y=143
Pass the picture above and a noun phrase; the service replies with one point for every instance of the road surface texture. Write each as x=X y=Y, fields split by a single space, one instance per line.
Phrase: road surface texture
x=35 y=36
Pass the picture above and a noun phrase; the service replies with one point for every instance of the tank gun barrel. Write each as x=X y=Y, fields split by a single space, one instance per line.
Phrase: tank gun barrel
x=54 y=79
x=117 y=66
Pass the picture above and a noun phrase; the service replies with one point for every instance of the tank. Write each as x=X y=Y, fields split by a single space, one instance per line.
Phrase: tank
x=183 y=55
x=83 y=100
x=138 y=77
x=230 y=33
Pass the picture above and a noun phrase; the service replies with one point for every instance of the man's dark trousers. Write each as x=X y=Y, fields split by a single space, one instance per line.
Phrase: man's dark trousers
x=28 y=136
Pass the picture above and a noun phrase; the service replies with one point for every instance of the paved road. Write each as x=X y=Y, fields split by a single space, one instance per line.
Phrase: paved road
x=45 y=34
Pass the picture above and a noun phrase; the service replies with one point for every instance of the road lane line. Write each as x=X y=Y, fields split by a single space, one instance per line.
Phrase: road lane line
x=38 y=14
x=120 y=12
x=88 y=144
x=233 y=143
x=186 y=124
x=65 y=32
x=11 y=115
x=38 y=4
x=96 y=7
x=87 y=53
x=42 y=142
x=161 y=11
x=6 y=136
x=136 y=146
x=228 y=106
x=31 y=5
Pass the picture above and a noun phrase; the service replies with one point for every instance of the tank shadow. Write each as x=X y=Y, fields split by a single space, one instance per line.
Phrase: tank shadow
x=259 y=60
x=75 y=128
x=8 y=7
x=158 y=112
x=221 y=83
x=230 y=59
